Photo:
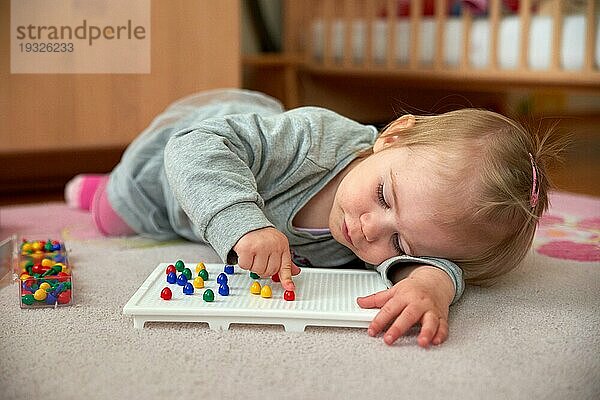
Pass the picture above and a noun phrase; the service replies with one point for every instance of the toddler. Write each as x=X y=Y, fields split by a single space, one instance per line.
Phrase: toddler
x=232 y=169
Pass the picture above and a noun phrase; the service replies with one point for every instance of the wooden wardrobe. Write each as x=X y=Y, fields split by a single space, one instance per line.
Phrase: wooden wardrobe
x=53 y=126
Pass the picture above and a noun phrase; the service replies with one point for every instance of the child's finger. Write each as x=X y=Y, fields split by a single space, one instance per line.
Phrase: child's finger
x=429 y=326
x=272 y=265
x=285 y=272
x=259 y=264
x=409 y=316
x=375 y=300
x=386 y=315
x=245 y=261
x=442 y=333
x=295 y=269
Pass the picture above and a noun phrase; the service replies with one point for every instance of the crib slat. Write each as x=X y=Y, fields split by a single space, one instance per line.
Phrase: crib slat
x=416 y=12
x=467 y=21
x=391 y=26
x=308 y=18
x=525 y=18
x=290 y=27
x=348 y=31
x=557 y=23
x=440 y=25
x=369 y=11
x=590 y=37
x=494 y=28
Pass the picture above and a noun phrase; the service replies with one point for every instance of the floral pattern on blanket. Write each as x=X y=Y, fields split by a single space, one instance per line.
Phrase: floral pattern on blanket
x=569 y=237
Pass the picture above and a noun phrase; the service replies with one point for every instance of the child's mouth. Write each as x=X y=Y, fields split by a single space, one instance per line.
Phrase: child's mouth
x=346 y=233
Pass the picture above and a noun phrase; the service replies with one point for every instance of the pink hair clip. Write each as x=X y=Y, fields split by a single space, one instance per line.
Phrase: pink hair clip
x=535 y=189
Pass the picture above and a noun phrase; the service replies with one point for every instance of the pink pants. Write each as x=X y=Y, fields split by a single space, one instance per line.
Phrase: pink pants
x=108 y=222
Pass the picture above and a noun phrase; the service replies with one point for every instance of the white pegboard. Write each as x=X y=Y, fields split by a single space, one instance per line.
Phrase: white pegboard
x=324 y=297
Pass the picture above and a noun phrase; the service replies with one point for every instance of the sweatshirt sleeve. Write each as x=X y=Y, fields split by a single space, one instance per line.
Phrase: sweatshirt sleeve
x=220 y=171
x=453 y=270
x=211 y=170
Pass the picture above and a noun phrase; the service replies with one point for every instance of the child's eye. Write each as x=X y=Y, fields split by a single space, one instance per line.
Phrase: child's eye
x=380 y=197
x=397 y=246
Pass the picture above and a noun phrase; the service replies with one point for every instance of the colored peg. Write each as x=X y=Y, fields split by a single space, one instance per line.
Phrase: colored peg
x=179 y=266
x=224 y=289
x=188 y=289
x=289 y=295
x=203 y=274
x=266 y=292
x=229 y=269
x=166 y=294
x=255 y=288
x=208 y=295
x=222 y=278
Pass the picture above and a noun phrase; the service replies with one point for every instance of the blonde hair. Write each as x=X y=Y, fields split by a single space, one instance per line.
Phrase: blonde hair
x=495 y=151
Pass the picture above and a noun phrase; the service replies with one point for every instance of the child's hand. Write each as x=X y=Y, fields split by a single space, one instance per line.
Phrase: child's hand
x=266 y=252
x=424 y=296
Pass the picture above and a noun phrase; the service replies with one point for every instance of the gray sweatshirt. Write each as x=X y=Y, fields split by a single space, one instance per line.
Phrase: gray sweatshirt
x=217 y=165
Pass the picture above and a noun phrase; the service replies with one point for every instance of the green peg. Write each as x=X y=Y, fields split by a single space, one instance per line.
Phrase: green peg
x=203 y=274
x=28 y=299
x=179 y=266
x=28 y=267
x=254 y=275
x=48 y=246
x=207 y=296
x=53 y=271
x=188 y=273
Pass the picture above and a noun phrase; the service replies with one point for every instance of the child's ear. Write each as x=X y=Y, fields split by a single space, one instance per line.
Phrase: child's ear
x=404 y=122
x=386 y=139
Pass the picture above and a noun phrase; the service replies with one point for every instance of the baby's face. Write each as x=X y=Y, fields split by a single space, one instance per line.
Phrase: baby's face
x=388 y=204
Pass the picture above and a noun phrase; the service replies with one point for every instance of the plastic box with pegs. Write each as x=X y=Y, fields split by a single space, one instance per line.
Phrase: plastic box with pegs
x=324 y=297
x=43 y=274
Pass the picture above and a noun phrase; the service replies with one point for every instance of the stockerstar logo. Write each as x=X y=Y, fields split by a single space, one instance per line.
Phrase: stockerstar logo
x=80 y=36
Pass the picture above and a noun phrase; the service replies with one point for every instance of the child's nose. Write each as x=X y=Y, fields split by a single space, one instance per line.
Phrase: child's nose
x=373 y=226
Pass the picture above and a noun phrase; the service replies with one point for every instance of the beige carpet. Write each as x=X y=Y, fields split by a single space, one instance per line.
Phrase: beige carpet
x=534 y=336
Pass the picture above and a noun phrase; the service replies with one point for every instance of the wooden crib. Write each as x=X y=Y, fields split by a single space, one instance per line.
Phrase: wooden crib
x=541 y=44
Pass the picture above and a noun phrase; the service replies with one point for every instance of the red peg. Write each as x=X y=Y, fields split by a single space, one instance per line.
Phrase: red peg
x=289 y=295
x=166 y=294
x=171 y=268
x=64 y=297
x=275 y=277
x=63 y=276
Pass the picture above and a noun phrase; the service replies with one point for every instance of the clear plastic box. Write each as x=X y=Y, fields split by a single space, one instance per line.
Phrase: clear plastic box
x=44 y=274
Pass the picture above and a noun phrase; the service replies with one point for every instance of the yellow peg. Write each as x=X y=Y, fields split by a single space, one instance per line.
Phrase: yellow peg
x=47 y=263
x=200 y=266
x=255 y=288
x=40 y=295
x=198 y=282
x=265 y=292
